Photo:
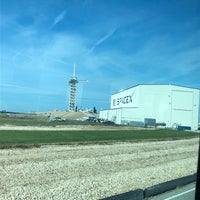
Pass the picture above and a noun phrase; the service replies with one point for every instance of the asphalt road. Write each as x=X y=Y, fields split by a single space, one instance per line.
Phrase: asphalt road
x=186 y=192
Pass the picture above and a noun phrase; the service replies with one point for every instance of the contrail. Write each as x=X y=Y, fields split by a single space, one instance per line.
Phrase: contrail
x=60 y=17
x=101 y=40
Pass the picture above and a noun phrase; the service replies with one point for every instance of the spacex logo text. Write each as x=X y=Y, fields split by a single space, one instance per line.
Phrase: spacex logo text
x=124 y=100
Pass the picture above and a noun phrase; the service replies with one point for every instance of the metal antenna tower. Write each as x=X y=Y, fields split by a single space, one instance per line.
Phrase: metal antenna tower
x=72 y=82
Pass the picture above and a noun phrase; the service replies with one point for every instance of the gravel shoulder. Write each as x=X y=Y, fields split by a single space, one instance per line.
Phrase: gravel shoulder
x=93 y=171
x=68 y=127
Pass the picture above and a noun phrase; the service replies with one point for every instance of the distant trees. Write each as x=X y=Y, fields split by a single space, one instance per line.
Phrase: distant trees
x=94 y=110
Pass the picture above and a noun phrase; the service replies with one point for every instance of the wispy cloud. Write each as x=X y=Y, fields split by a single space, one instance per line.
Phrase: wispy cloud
x=59 y=18
x=9 y=85
x=102 y=39
x=18 y=89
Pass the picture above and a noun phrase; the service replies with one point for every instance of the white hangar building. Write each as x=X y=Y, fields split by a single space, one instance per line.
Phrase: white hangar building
x=169 y=104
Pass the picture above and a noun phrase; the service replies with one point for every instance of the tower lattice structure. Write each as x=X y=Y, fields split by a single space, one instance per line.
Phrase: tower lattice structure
x=72 y=99
x=72 y=96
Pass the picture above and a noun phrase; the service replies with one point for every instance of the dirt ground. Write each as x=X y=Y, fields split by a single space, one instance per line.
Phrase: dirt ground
x=69 y=127
x=93 y=171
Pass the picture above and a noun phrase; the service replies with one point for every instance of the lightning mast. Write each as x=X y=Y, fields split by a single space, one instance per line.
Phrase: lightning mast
x=72 y=82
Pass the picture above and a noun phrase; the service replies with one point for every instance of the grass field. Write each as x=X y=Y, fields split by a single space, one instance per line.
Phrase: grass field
x=28 y=138
x=32 y=120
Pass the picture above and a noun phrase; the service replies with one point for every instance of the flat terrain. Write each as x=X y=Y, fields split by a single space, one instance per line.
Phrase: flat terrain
x=93 y=171
x=27 y=138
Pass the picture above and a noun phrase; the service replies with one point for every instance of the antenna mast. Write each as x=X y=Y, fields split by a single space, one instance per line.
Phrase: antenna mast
x=74 y=70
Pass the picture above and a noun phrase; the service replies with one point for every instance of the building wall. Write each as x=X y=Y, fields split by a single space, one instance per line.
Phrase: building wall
x=155 y=102
x=109 y=115
x=166 y=103
x=185 y=106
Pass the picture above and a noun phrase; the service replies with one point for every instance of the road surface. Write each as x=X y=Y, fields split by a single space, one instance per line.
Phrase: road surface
x=186 y=192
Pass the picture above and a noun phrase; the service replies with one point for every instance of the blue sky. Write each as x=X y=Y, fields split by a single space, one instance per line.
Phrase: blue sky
x=115 y=44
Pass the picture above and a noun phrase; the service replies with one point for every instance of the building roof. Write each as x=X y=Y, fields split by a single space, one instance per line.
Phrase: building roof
x=155 y=84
